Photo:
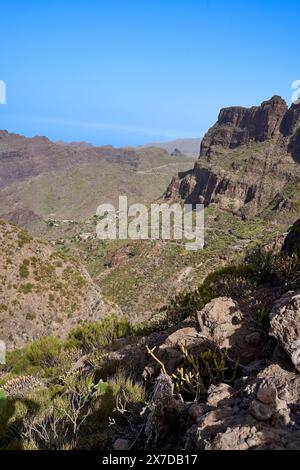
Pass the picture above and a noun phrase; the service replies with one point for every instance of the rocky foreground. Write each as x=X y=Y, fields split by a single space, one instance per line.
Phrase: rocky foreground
x=259 y=407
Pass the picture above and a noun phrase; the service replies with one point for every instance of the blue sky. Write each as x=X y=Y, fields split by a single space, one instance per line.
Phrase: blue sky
x=131 y=72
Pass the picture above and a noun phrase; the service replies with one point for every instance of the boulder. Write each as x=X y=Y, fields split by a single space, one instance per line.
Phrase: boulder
x=291 y=243
x=286 y=382
x=246 y=438
x=223 y=323
x=219 y=321
x=267 y=393
x=257 y=415
x=217 y=393
x=285 y=326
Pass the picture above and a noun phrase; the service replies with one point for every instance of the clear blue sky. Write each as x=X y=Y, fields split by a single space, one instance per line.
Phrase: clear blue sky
x=130 y=72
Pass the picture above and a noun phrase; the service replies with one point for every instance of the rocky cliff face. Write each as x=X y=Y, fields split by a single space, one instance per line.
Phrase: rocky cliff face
x=239 y=126
x=248 y=156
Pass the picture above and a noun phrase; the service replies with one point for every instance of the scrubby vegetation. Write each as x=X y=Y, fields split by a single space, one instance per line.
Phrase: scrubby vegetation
x=99 y=335
x=45 y=404
x=196 y=374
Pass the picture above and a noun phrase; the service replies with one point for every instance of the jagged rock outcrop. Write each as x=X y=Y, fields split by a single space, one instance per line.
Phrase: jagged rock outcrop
x=291 y=120
x=204 y=186
x=246 y=159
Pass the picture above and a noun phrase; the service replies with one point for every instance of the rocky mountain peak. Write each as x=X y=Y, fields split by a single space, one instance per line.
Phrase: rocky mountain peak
x=238 y=125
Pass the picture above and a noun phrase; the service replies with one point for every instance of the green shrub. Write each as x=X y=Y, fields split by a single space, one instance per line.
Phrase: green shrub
x=262 y=316
x=101 y=334
x=286 y=271
x=261 y=260
x=30 y=316
x=231 y=281
x=24 y=271
x=44 y=352
x=23 y=238
x=9 y=432
x=270 y=265
x=38 y=358
x=26 y=288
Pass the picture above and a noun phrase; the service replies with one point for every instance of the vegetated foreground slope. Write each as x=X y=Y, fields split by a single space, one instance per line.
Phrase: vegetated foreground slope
x=69 y=182
x=42 y=292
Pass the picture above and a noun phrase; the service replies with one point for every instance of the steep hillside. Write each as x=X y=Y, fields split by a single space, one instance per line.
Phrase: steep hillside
x=42 y=292
x=248 y=159
x=69 y=181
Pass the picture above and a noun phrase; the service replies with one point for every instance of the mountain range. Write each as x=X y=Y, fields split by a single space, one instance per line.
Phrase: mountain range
x=71 y=180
